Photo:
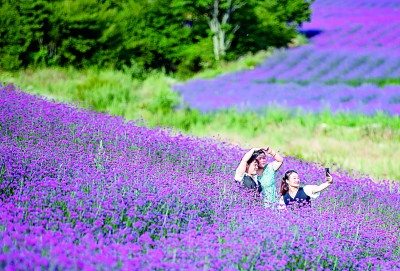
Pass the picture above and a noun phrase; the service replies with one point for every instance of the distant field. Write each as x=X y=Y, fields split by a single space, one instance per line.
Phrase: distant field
x=351 y=63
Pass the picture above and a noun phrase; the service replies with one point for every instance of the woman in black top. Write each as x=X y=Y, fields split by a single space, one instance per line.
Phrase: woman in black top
x=293 y=194
x=246 y=172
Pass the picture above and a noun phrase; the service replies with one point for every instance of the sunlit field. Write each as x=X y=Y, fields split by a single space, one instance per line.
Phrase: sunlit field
x=86 y=190
x=323 y=137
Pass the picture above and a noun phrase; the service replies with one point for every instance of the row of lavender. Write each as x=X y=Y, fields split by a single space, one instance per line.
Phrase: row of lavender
x=307 y=64
x=361 y=3
x=365 y=27
x=314 y=97
x=351 y=46
x=83 y=190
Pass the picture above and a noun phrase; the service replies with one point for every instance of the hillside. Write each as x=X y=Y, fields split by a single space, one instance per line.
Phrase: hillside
x=85 y=190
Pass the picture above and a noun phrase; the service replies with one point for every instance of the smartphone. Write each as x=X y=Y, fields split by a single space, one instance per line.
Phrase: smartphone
x=327 y=173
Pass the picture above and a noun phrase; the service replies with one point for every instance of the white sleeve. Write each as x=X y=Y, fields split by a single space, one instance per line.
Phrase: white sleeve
x=281 y=205
x=308 y=190
x=238 y=177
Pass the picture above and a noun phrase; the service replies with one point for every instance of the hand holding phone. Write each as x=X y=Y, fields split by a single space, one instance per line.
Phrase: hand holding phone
x=328 y=175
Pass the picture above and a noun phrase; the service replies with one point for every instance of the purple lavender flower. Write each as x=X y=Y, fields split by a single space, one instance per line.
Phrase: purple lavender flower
x=84 y=190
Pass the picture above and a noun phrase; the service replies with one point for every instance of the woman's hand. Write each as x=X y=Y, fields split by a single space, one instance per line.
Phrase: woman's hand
x=278 y=159
x=268 y=150
x=329 y=178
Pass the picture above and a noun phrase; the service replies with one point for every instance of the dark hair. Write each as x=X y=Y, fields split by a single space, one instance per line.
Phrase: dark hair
x=284 y=186
x=253 y=157
x=260 y=152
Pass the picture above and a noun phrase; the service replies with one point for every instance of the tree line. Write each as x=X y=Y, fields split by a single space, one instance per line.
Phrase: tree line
x=175 y=35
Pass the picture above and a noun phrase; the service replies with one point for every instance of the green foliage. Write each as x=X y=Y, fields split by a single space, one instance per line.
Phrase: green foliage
x=13 y=40
x=270 y=23
x=138 y=35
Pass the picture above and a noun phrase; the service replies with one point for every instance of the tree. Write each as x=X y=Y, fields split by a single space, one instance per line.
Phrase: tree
x=221 y=28
x=241 y=26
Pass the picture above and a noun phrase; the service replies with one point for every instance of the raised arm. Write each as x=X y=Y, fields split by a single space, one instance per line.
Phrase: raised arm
x=241 y=169
x=278 y=158
x=323 y=186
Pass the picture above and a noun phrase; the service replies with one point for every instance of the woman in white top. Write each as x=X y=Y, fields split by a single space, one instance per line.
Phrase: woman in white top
x=293 y=194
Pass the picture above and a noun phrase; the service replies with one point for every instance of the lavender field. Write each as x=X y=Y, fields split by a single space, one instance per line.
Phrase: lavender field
x=353 y=55
x=84 y=190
